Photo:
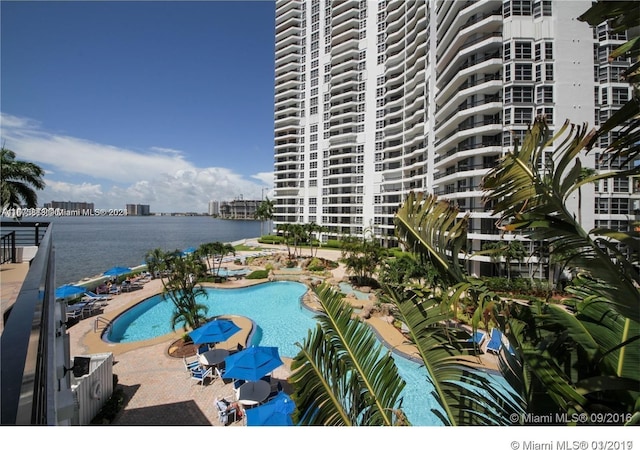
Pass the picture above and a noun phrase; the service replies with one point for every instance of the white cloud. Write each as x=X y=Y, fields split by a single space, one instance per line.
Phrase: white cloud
x=162 y=177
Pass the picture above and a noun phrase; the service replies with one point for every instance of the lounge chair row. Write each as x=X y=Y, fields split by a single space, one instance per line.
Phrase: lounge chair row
x=84 y=308
x=491 y=343
x=497 y=342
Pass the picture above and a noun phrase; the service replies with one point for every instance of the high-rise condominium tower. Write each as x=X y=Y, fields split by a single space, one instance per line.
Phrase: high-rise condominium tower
x=374 y=99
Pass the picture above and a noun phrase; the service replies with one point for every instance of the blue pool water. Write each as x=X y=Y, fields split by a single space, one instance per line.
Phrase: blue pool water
x=282 y=321
x=346 y=288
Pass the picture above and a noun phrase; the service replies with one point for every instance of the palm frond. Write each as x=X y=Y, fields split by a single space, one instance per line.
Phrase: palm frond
x=431 y=228
x=464 y=393
x=545 y=216
x=367 y=387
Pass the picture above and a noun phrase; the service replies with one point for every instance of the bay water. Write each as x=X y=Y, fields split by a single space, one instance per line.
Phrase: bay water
x=87 y=246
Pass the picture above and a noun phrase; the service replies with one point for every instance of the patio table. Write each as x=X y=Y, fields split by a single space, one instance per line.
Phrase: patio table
x=213 y=357
x=253 y=392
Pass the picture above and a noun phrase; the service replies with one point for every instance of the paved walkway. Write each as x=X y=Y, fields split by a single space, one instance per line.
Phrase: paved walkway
x=12 y=276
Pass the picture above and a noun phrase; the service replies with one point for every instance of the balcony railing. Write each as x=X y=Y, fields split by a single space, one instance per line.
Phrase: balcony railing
x=19 y=234
x=33 y=392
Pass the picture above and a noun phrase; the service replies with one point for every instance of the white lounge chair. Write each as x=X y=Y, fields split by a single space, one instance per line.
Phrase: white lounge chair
x=94 y=296
x=74 y=313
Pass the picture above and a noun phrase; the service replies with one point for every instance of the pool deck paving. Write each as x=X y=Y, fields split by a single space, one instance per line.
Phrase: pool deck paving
x=158 y=388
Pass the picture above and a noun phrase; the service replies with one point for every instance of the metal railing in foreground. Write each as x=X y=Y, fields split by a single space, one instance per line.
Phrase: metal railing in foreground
x=34 y=349
x=19 y=234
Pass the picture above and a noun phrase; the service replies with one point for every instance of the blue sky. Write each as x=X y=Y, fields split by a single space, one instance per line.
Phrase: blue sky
x=167 y=103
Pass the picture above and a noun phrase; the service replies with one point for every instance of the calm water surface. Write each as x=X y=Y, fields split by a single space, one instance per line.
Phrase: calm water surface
x=87 y=246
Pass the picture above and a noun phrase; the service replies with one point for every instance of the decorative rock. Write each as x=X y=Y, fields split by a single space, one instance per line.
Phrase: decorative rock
x=366 y=311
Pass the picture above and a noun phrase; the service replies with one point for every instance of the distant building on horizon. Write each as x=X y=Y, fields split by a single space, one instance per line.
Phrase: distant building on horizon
x=138 y=210
x=239 y=209
x=214 y=208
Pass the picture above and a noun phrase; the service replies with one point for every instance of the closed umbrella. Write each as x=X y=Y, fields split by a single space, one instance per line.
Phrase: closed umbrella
x=69 y=290
x=214 y=331
x=252 y=363
x=117 y=271
x=276 y=412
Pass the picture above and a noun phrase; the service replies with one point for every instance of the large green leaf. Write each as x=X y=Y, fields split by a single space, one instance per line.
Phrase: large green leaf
x=464 y=393
x=431 y=228
x=546 y=217
x=342 y=375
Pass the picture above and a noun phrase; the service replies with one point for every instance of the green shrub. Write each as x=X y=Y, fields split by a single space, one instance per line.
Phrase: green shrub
x=316 y=265
x=521 y=285
x=395 y=252
x=271 y=239
x=332 y=243
x=258 y=275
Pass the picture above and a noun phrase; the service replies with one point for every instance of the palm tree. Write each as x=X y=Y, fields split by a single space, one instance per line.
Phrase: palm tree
x=155 y=260
x=265 y=212
x=19 y=181
x=509 y=251
x=577 y=358
x=219 y=250
x=361 y=256
x=182 y=288
x=286 y=229
x=207 y=251
x=567 y=349
x=309 y=229
x=299 y=236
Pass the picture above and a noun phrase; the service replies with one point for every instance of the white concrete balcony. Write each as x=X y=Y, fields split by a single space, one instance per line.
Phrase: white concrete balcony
x=472 y=53
x=340 y=7
x=340 y=16
x=457 y=111
x=283 y=6
x=293 y=84
x=283 y=75
x=286 y=51
x=448 y=155
x=455 y=38
x=347 y=113
x=456 y=136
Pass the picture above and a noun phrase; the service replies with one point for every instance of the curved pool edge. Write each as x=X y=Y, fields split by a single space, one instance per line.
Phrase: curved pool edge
x=89 y=341
x=94 y=342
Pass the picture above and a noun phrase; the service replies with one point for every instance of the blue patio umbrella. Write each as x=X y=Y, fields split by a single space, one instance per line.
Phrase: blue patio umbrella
x=214 y=331
x=252 y=363
x=117 y=271
x=187 y=251
x=276 y=412
x=69 y=290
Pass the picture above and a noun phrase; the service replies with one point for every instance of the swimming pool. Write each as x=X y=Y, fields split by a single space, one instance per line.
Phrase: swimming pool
x=346 y=288
x=276 y=309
